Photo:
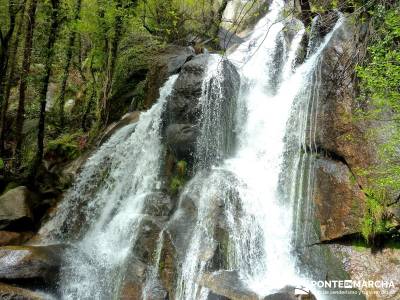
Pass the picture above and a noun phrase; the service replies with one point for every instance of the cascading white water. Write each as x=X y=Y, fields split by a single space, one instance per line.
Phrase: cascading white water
x=262 y=192
x=116 y=181
x=257 y=188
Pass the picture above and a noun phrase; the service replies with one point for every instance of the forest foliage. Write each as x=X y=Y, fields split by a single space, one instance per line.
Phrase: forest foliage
x=379 y=83
x=63 y=63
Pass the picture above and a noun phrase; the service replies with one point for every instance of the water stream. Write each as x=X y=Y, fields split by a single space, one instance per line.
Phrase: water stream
x=252 y=184
x=105 y=204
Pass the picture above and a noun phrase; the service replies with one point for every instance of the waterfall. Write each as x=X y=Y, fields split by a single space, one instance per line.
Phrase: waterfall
x=250 y=196
x=260 y=196
x=105 y=204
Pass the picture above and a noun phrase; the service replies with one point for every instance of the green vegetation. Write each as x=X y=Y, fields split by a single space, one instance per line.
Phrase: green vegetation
x=375 y=221
x=176 y=184
x=70 y=67
x=67 y=146
x=179 y=178
x=379 y=78
x=379 y=102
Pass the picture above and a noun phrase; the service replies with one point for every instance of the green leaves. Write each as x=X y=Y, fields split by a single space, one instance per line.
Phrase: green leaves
x=375 y=221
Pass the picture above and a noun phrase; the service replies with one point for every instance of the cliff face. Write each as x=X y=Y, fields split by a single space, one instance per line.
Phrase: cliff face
x=348 y=157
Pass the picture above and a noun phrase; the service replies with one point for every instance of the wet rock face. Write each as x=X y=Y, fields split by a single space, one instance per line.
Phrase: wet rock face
x=338 y=198
x=16 y=208
x=39 y=264
x=168 y=63
x=340 y=138
x=127 y=119
x=183 y=106
x=147 y=238
x=228 y=285
x=184 y=114
x=182 y=140
x=337 y=130
x=158 y=204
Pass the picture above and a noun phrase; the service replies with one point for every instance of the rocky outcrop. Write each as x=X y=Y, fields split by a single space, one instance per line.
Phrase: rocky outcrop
x=341 y=139
x=156 y=208
x=340 y=203
x=227 y=284
x=338 y=131
x=184 y=113
x=158 y=204
x=31 y=264
x=167 y=63
x=182 y=107
x=127 y=119
x=16 y=208
x=182 y=140
x=14 y=238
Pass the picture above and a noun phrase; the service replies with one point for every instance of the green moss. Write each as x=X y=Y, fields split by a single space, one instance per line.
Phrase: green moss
x=176 y=184
x=353 y=179
x=375 y=221
x=179 y=177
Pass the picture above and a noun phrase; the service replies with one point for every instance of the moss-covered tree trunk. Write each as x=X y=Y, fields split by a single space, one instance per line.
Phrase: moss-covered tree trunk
x=45 y=82
x=5 y=39
x=8 y=82
x=104 y=105
x=26 y=65
x=69 y=51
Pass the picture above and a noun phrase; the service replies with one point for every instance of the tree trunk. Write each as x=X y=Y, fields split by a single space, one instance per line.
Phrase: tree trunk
x=305 y=12
x=71 y=42
x=218 y=18
x=43 y=93
x=8 y=82
x=4 y=46
x=26 y=64
x=104 y=106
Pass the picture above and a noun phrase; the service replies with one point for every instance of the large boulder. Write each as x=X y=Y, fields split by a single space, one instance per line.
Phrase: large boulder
x=167 y=63
x=340 y=203
x=227 y=284
x=183 y=105
x=129 y=118
x=30 y=264
x=182 y=140
x=147 y=239
x=134 y=280
x=202 y=106
x=16 y=208
x=338 y=130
